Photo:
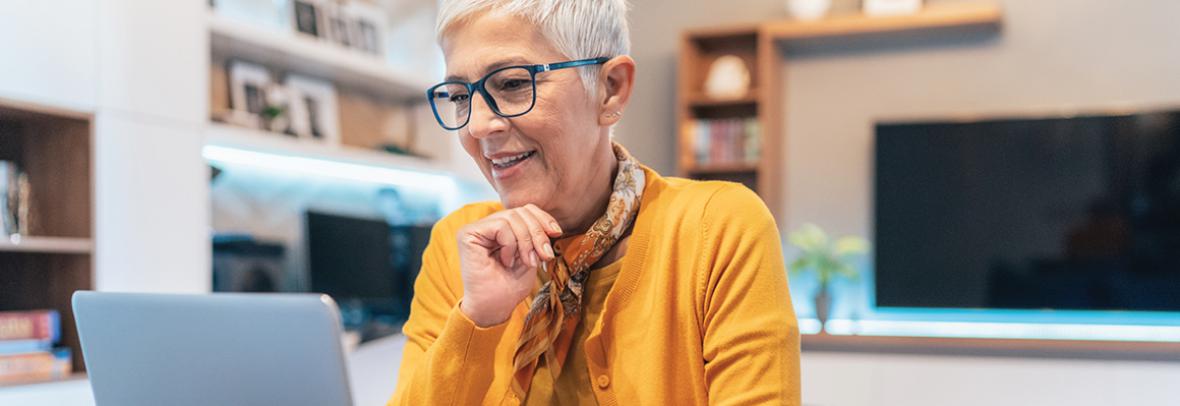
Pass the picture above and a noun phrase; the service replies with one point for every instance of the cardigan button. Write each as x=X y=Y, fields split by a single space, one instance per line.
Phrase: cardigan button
x=603 y=381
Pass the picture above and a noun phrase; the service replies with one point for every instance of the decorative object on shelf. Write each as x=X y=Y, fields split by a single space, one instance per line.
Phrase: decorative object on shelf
x=827 y=260
x=336 y=24
x=314 y=109
x=14 y=200
x=307 y=17
x=366 y=22
x=891 y=7
x=729 y=78
x=809 y=9
x=248 y=84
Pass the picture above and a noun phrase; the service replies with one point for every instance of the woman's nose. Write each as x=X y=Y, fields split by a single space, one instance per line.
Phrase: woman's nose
x=484 y=122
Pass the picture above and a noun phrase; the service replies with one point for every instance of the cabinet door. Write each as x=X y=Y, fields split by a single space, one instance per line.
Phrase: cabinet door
x=47 y=52
x=152 y=203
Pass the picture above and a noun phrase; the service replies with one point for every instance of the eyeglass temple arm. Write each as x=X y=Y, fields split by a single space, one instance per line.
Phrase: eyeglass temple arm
x=571 y=64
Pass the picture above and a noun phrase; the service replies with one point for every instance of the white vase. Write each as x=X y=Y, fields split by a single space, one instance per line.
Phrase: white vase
x=808 y=9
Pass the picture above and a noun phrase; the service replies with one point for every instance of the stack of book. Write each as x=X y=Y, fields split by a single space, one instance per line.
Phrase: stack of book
x=26 y=347
x=724 y=141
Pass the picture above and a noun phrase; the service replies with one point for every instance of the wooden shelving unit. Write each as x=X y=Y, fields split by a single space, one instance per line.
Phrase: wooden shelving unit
x=42 y=270
x=761 y=46
x=47 y=245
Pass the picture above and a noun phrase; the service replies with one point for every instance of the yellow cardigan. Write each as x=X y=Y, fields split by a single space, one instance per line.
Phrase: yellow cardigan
x=700 y=312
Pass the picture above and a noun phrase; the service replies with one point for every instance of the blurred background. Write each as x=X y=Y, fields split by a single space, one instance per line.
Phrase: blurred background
x=979 y=199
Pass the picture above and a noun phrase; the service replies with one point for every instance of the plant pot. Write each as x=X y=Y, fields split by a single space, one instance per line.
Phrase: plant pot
x=823 y=305
x=808 y=9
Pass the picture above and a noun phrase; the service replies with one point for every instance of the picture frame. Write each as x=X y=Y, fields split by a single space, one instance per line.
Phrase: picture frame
x=248 y=84
x=366 y=24
x=307 y=17
x=336 y=22
x=314 y=109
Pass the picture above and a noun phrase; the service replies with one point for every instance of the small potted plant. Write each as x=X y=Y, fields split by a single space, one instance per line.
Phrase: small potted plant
x=827 y=259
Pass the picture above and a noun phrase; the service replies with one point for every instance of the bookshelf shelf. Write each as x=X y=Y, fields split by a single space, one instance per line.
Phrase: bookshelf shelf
x=942 y=16
x=724 y=168
x=296 y=52
x=701 y=101
x=47 y=245
x=239 y=138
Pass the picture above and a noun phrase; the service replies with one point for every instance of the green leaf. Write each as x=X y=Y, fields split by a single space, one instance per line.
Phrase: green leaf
x=851 y=245
x=809 y=238
x=800 y=265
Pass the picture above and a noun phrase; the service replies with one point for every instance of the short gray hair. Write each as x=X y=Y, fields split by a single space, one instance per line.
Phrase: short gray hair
x=579 y=29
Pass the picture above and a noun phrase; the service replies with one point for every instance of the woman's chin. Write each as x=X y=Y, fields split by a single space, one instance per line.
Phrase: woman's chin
x=517 y=198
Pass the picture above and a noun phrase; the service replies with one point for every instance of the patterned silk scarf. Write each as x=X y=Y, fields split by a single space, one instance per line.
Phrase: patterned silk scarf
x=554 y=313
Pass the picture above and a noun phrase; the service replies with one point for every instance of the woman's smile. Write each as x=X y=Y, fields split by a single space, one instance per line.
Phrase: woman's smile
x=504 y=167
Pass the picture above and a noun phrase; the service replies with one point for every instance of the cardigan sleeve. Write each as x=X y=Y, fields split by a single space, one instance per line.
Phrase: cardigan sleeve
x=447 y=358
x=751 y=336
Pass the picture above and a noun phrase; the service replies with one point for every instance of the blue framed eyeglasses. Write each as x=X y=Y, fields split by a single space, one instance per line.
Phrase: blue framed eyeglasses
x=510 y=91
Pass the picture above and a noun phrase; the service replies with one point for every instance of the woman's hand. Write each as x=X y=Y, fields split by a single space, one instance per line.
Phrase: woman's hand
x=499 y=257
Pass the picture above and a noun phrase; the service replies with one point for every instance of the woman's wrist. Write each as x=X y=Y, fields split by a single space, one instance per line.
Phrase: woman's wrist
x=482 y=319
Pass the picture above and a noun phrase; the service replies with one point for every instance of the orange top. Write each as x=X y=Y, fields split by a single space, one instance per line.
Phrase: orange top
x=699 y=313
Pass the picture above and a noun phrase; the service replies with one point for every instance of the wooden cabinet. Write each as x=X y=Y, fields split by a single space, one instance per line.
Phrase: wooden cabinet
x=43 y=268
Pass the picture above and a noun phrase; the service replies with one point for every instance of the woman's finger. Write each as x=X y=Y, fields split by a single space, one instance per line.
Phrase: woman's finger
x=504 y=236
x=538 y=233
x=550 y=223
x=524 y=239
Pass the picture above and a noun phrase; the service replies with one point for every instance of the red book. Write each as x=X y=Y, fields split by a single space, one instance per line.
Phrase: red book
x=30 y=325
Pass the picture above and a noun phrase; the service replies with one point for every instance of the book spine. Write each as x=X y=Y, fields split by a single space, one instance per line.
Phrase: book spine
x=753 y=148
x=33 y=325
x=35 y=366
x=22 y=346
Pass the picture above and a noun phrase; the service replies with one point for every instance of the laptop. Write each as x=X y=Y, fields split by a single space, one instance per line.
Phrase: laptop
x=212 y=349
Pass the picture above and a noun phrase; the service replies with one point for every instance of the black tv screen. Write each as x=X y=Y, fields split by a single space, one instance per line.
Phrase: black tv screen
x=1071 y=213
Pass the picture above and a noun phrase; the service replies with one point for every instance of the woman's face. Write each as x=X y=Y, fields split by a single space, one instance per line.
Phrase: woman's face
x=558 y=137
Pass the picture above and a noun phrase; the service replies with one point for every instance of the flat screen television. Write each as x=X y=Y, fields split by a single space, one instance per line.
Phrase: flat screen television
x=1069 y=213
x=366 y=261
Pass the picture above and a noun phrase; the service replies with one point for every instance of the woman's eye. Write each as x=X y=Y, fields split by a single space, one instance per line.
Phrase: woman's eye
x=512 y=84
x=458 y=98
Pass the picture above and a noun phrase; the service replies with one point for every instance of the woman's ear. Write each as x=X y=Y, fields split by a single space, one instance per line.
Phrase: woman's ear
x=615 y=81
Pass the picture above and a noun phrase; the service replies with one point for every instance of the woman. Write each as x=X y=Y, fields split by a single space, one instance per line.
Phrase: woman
x=593 y=280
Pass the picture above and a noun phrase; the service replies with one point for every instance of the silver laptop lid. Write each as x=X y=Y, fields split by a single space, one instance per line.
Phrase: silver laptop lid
x=212 y=349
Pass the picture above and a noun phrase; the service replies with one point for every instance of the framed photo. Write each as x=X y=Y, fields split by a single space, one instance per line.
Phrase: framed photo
x=336 y=22
x=248 y=84
x=366 y=26
x=314 y=108
x=307 y=14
